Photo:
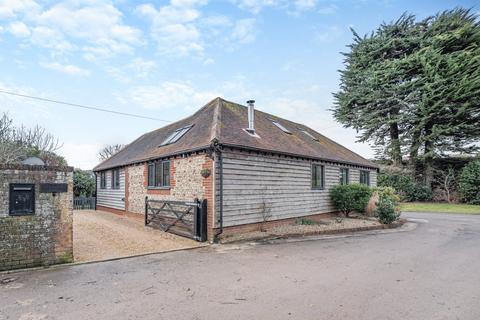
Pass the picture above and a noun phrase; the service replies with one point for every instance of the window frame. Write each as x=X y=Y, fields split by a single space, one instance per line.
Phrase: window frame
x=313 y=176
x=366 y=174
x=103 y=180
x=280 y=126
x=176 y=135
x=152 y=182
x=308 y=134
x=115 y=179
x=347 y=176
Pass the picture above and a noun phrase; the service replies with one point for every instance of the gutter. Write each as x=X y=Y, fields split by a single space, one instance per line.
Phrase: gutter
x=203 y=148
x=300 y=156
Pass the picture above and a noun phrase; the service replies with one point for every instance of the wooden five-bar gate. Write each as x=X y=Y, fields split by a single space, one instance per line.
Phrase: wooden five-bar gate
x=184 y=218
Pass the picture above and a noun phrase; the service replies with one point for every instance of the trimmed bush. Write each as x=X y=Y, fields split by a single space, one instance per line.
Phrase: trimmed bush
x=351 y=197
x=469 y=183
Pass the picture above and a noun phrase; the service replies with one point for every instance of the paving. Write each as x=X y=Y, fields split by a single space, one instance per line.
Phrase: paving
x=429 y=272
x=99 y=235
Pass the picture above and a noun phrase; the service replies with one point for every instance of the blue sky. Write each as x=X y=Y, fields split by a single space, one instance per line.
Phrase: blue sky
x=165 y=59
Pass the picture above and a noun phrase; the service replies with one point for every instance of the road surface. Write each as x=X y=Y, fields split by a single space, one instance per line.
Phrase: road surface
x=431 y=272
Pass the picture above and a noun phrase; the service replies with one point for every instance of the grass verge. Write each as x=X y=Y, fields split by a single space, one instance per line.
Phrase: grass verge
x=440 y=207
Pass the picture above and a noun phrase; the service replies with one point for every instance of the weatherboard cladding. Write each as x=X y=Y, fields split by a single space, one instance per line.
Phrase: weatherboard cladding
x=255 y=186
x=225 y=122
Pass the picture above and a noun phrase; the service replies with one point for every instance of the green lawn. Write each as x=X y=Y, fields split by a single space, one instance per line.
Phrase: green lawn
x=439 y=207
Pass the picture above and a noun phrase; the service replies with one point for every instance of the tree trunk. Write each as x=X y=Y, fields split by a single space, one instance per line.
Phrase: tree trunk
x=428 y=157
x=395 y=150
x=414 y=153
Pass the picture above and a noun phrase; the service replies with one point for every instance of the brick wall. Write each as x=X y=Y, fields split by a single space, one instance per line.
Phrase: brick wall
x=43 y=238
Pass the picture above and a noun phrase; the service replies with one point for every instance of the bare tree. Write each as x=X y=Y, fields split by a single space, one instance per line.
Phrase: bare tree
x=6 y=128
x=18 y=143
x=109 y=150
x=37 y=138
x=446 y=182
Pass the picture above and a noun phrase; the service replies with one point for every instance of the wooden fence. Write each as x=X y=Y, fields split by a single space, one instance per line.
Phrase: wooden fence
x=83 y=203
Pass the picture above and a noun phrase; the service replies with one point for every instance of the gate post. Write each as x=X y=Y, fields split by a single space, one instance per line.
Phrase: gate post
x=196 y=220
x=146 y=210
x=204 y=221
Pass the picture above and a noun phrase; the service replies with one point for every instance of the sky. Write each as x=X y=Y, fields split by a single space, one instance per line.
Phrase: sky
x=166 y=59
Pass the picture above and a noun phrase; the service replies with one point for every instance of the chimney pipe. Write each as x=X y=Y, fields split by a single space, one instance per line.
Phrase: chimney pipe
x=251 y=116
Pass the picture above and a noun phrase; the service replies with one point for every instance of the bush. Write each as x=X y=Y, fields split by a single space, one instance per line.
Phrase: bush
x=386 y=210
x=418 y=192
x=405 y=186
x=387 y=205
x=351 y=197
x=469 y=183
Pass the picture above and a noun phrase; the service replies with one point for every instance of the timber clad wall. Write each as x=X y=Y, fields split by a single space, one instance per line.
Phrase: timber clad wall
x=111 y=198
x=280 y=186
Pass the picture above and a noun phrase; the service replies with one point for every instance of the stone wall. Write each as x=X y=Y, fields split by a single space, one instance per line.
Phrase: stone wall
x=186 y=182
x=45 y=237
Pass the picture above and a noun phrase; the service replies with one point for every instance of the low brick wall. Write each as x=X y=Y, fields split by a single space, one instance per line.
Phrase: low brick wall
x=46 y=237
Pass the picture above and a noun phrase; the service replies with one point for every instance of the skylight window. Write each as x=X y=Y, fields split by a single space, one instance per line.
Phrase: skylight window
x=308 y=134
x=281 y=127
x=176 y=135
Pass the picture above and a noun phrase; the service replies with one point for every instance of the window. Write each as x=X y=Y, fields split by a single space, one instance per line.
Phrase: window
x=116 y=179
x=103 y=180
x=280 y=126
x=22 y=199
x=308 y=134
x=176 y=135
x=344 y=176
x=318 y=176
x=365 y=177
x=159 y=174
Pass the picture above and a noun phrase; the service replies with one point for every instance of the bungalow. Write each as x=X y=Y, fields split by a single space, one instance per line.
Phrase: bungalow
x=249 y=165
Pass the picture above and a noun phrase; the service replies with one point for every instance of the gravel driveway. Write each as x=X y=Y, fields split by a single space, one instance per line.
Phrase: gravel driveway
x=99 y=235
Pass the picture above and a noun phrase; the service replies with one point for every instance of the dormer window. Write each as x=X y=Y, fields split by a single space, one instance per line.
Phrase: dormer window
x=176 y=135
x=280 y=126
x=308 y=134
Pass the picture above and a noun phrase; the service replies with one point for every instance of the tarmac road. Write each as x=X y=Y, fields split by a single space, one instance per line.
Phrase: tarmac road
x=431 y=272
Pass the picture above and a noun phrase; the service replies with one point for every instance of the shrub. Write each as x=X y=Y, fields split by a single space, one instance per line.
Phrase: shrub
x=387 y=205
x=405 y=186
x=351 y=197
x=386 y=210
x=469 y=183
x=418 y=192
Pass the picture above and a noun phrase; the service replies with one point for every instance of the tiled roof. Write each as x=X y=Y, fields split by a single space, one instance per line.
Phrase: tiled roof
x=225 y=122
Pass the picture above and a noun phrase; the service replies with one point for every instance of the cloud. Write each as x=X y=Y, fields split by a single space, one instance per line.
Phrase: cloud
x=51 y=38
x=244 y=31
x=294 y=7
x=94 y=27
x=329 y=34
x=81 y=155
x=168 y=95
x=174 y=26
x=98 y=24
x=330 y=9
x=305 y=4
x=138 y=68
x=255 y=6
x=67 y=69
x=12 y=8
x=19 y=29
